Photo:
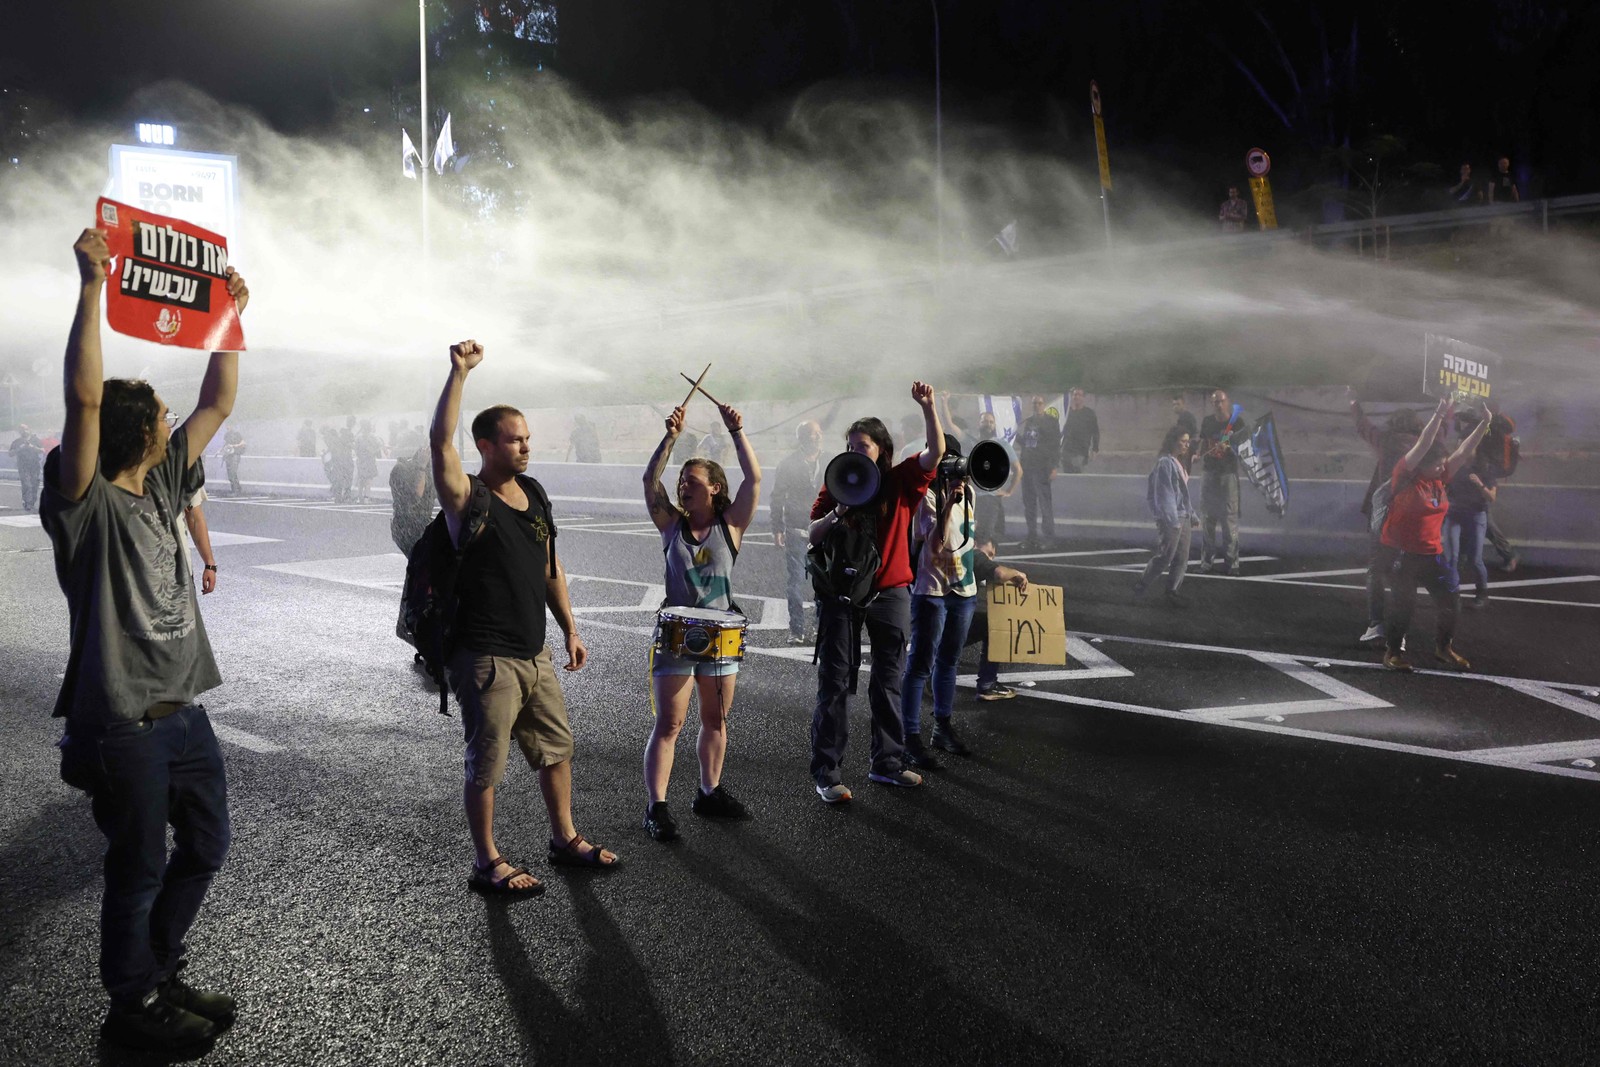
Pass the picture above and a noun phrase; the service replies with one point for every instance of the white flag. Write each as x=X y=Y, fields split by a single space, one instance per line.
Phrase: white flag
x=1007 y=238
x=409 y=156
x=443 y=148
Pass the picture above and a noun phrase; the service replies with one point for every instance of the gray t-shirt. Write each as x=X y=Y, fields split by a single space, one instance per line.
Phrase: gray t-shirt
x=137 y=638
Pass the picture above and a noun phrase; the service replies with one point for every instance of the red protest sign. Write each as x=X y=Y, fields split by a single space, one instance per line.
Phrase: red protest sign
x=169 y=280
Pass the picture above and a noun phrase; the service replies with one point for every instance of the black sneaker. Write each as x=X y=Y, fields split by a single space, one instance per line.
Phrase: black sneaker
x=990 y=692
x=658 y=822
x=717 y=804
x=218 y=1007
x=944 y=737
x=157 y=1025
x=918 y=756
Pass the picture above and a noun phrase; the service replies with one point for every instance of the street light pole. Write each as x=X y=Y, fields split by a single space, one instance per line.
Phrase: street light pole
x=938 y=135
x=422 y=61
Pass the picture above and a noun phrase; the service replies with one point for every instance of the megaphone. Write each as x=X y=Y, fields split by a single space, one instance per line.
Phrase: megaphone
x=851 y=479
x=989 y=466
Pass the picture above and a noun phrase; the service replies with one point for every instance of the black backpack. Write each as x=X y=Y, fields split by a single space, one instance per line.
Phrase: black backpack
x=428 y=599
x=844 y=564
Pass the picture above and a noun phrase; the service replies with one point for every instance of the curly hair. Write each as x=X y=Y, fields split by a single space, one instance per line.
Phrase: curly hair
x=714 y=475
x=129 y=418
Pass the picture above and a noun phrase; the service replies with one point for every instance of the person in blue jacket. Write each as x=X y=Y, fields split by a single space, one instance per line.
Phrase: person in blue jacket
x=1168 y=497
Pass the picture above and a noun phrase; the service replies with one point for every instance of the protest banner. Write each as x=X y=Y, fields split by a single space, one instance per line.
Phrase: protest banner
x=1262 y=462
x=168 y=280
x=1452 y=368
x=1027 y=626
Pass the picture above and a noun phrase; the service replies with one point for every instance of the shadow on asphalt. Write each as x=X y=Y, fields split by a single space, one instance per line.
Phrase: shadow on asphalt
x=618 y=1021
x=852 y=953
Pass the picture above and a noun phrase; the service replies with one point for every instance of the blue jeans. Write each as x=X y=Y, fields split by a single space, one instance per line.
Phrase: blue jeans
x=140 y=776
x=939 y=627
x=1463 y=544
x=887 y=620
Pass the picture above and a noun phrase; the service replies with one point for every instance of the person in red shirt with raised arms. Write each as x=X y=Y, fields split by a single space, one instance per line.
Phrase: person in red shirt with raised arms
x=1413 y=532
x=901 y=489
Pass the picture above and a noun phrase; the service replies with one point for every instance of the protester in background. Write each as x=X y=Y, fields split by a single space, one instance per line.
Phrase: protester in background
x=195 y=527
x=338 y=460
x=1080 y=437
x=1219 y=495
x=1472 y=491
x=1413 y=535
x=1465 y=190
x=410 y=502
x=584 y=442
x=887 y=617
x=233 y=447
x=700 y=537
x=1234 y=212
x=1390 y=444
x=990 y=572
x=1167 y=493
x=367 y=450
x=1039 y=447
x=713 y=446
x=136 y=740
x=306 y=440
x=1182 y=416
x=1501 y=451
x=28 y=454
x=794 y=487
x=1502 y=187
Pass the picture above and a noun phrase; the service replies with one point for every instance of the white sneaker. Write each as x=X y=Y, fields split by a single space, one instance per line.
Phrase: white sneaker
x=1374 y=633
x=837 y=793
x=902 y=778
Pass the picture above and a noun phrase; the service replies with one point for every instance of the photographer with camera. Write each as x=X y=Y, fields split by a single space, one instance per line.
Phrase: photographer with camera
x=943 y=600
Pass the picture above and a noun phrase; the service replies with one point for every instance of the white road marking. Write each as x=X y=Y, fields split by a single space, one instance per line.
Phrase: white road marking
x=21 y=521
x=1344 y=697
x=1553 y=696
x=1069 y=555
x=235 y=736
x=220 y=538
x=1545 y=581
x=1554 y=750
x=1314 y=574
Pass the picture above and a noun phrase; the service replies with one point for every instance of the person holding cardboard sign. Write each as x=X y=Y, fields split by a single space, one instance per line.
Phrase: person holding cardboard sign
x=136 y=739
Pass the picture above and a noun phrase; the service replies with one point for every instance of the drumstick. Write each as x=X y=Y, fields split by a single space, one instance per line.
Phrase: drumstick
x=694 y=383
x=702 y=392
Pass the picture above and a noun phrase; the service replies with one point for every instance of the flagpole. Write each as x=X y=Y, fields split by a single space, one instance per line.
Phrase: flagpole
x=938 y=135
x=422 y=62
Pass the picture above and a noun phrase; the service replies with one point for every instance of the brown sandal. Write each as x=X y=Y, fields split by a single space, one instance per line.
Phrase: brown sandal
x=483 y=881
x=568 y=855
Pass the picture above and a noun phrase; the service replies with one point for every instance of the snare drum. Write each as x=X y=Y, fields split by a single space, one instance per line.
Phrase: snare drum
x=707 y=635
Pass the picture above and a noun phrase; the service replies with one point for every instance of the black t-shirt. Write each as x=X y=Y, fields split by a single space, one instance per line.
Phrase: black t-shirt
x=1215 y=432
x=501 y=587
x=1505 y=188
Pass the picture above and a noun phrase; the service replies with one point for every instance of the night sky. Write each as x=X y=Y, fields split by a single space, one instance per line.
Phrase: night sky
x=1464 y=81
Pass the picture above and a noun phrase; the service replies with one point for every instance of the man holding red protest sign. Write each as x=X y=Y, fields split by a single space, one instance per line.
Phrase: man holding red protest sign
x=136 y=740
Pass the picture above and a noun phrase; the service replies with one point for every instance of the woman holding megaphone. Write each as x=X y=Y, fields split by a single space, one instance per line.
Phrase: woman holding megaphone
x=883 y=508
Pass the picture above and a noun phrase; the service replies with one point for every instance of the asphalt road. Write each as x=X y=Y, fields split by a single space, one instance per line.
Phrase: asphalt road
x=1217 y=836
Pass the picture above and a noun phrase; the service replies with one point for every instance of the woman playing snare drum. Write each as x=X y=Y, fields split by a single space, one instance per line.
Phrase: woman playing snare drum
x=700 y=536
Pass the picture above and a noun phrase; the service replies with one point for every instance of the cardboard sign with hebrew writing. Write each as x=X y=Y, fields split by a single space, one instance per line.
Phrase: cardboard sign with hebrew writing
x=1456 y=369
x=1027 y=627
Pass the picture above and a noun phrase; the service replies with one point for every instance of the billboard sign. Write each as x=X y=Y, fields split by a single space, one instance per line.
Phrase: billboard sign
x=196 y=187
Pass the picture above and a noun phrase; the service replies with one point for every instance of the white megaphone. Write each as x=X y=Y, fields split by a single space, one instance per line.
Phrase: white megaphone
x=851 y=479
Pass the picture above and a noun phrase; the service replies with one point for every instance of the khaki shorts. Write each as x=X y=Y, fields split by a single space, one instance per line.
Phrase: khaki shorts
x=504 y=698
